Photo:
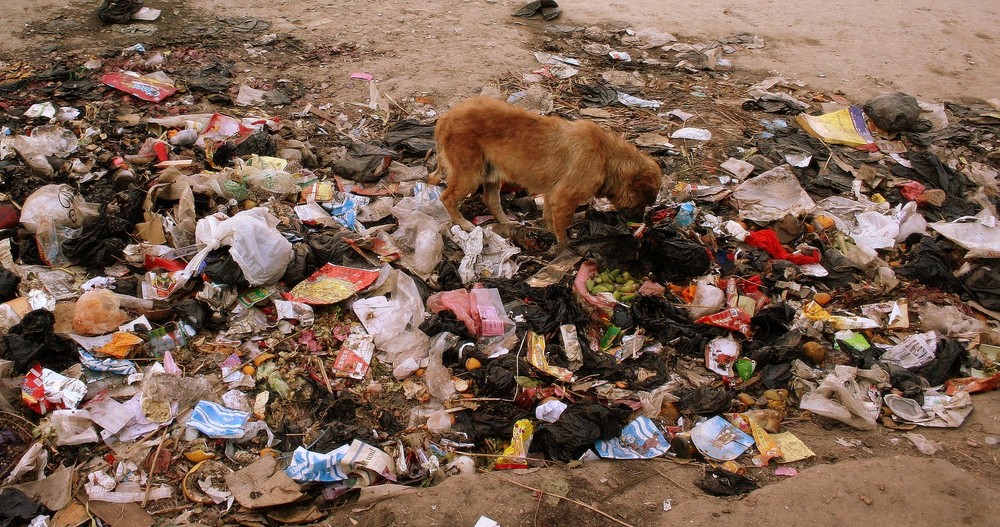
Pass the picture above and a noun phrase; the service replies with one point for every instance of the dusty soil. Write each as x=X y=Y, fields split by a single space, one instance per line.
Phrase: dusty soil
x=928 y=49
x=449 y=50
x=884 y=481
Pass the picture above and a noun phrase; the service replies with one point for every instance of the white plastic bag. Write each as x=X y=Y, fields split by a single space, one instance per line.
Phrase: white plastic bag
x=52 y=213
x=254 y=243
x=45 y=141
x=708 y=299
x=845 y=395
x=393 y=321
x=73 y=427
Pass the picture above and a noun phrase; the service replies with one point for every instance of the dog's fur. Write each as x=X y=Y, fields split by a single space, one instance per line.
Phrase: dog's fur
x=488 y=142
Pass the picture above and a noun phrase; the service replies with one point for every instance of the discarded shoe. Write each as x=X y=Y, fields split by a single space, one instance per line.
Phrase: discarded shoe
x=547 y=8
x=118 y=11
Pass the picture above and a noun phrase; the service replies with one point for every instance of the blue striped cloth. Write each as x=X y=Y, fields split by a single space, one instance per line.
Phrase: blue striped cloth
x=307 y=465
x=116 y=366
x=641 y=439
x=217 y=421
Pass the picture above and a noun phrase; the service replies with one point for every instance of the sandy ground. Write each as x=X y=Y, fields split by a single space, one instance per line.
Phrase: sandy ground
x=931 y=50
x=452 y=48
x=884 y=481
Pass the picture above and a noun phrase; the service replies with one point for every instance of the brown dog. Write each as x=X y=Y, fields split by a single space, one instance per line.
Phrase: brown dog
x=487 y=142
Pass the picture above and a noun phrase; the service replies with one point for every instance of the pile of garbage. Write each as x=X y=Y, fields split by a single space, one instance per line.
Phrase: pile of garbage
x=209 y=309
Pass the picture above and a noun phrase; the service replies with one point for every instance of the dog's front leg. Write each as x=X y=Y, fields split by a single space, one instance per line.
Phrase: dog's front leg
x=559 y=216
x=491 y=198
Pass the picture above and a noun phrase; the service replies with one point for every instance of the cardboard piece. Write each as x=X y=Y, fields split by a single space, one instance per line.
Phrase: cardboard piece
x=72 y=515
x=54 y=491
x=118 y=514
x=263 y=484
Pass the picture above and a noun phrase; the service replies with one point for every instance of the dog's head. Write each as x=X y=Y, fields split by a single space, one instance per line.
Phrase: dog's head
x=635 y=187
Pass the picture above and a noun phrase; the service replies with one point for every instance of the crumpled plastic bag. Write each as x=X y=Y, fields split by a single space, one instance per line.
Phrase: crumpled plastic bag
x=844 y=395
x=45 y=141
x=457 y=301
x=487 y=254
x=419 y=239
x=393 y=321
x=73 y=427
x=771 y=195
x=98 y=311
x=981 y=238
x=254 y=243
x=427 y=199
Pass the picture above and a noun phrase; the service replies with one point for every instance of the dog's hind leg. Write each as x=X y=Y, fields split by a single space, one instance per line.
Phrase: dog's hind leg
x=491 y=194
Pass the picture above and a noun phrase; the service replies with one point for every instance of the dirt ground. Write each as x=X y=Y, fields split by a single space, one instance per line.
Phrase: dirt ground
x=451 y=49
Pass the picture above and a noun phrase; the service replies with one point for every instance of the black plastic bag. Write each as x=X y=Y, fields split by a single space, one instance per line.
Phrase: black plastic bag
x=445 y=321
x=905 y=381
x=303 y=264
x=8 y=285
x=493 y=419
x=552 y=307
x=705 y=400
x=983 y=284
x=32 y=340
x=576 y=430
x=669 y=324
x=605 y=238
x=946 y=363
x=930 y=263
x=637 y=371
x=771 y=323
x=364 y=163
x=221 y=268
x=193 y=312
x=18 y=509
x=332 y=246
x=101 y=242
x=893 y=112
x=412 y=136
x=497 y=377
x=784 y=349
x=260 y=142
x=776 y=376
x=671 y=257
x=719 y=482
